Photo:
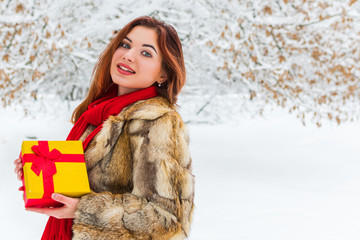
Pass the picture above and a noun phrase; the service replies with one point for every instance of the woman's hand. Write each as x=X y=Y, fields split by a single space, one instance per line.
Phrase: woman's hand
x=18 y=168
x=66 y=211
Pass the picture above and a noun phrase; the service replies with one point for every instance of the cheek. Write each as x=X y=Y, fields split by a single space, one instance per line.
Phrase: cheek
x=117 y=54
x=154 y=68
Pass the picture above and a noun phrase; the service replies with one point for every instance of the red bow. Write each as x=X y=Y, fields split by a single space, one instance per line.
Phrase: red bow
x=44 y=160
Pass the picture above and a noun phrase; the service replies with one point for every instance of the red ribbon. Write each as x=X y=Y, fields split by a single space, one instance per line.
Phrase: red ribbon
x=45 y=161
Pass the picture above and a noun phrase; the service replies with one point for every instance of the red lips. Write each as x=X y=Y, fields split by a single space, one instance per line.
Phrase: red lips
x=125 y=69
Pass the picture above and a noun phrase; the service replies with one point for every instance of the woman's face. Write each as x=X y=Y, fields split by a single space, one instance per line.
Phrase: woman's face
x=137 y=62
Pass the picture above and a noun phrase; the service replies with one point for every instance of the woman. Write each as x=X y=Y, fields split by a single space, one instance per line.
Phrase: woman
x=136 y=145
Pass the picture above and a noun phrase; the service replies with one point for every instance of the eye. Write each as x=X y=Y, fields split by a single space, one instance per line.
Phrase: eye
x=124 y=45
x=146 y=54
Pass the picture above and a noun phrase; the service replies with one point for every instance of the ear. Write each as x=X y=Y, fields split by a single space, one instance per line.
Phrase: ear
x=163 y=77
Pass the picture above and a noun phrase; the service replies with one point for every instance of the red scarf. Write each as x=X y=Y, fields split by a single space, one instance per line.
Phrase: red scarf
x=96 y=114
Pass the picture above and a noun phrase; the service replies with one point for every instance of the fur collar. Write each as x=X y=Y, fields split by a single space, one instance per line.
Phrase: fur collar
x=105 y=140
x=149 y=109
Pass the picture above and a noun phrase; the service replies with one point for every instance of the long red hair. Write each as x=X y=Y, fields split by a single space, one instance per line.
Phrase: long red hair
x=172 y=62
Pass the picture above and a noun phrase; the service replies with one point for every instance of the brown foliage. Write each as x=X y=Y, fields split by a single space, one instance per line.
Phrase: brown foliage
x=19 y=8
x=317 y=63
x=352 y=2
x=29 y=51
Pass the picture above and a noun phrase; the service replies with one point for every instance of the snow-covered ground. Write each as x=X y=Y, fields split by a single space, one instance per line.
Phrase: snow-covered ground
x=260 y=179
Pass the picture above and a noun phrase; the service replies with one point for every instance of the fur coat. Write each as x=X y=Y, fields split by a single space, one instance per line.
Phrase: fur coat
x=139 y=171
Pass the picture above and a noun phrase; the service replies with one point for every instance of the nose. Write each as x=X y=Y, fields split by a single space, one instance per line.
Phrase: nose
x=129 y=55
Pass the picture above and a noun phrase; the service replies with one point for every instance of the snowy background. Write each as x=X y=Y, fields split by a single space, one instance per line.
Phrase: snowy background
x=262 y=77
x=259 y=179
x=240 y=55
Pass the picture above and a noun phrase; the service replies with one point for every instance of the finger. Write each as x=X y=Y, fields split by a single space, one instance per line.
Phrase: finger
x=17 y=168
x=48 y=211
x=38 y=210
x=17 y=161
x=62 y=199
x=19 y=175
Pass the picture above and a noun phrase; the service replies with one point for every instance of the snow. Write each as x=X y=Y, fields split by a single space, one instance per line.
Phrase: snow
x=257 y=179
x=302 y=55
x=276 y=179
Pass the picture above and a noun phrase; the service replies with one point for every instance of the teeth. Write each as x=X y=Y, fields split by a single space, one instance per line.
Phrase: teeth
x=125 y=69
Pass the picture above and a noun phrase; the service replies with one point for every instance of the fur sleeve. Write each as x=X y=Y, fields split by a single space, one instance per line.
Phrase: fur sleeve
x=161 y=202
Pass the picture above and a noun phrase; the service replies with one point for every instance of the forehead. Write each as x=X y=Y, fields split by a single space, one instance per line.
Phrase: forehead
x=143 y=34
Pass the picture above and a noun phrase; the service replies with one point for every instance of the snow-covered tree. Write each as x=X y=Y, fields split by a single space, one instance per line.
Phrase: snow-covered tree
x=301 y=55
x=38 y=52
x=241 y=55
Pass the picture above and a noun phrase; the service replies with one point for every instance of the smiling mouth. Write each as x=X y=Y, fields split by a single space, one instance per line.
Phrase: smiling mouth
x=125 y=69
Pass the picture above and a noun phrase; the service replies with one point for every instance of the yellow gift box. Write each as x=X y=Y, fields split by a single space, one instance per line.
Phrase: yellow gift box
x=53 y=166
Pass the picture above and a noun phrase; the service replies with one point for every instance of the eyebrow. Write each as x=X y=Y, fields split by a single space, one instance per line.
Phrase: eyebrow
x=145 y=45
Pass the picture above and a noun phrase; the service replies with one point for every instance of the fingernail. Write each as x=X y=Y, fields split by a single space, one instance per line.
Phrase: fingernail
x=54 y=196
